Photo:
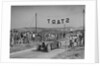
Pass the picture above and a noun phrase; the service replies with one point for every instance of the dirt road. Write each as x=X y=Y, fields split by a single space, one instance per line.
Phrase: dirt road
x=61 y=53
x=37 y=54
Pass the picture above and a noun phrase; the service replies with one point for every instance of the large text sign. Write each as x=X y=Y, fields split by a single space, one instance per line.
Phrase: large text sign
x=61 y=21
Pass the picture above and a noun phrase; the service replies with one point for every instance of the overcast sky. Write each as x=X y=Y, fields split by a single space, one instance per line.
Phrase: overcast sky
x=24 y=16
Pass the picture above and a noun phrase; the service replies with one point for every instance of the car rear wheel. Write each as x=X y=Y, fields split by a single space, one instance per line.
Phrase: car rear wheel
x=59 y=45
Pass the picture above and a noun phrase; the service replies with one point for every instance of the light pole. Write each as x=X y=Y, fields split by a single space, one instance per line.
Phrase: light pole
x=36 y=22
x=84 y=19
x=83 y=26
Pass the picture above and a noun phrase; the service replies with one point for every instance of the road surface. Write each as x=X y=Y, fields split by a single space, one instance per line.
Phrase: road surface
x=32 y=53
x=61 y=53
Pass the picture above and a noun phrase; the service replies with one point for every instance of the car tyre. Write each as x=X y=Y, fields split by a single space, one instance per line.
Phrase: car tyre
x=48 y=48
x=59 y=45
x=39 y=47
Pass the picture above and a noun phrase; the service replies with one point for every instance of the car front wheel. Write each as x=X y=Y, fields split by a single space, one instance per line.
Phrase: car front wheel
x=48 y=48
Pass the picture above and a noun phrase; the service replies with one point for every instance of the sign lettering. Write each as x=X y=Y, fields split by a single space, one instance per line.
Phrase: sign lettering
x=61 y=21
